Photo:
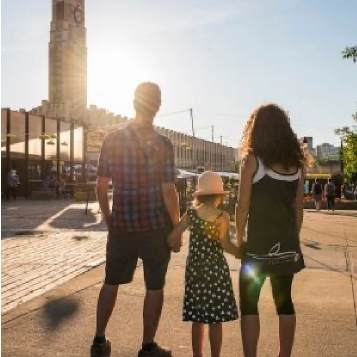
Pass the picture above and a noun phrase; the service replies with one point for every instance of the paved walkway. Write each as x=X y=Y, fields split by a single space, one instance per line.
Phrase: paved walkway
x=58 y=242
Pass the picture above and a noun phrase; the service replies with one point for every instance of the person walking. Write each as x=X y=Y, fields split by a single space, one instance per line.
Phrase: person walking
x=140 y=163
x=316 y=190
x=273 y=161
x=13 y=182
x=209 y=297
x=330 y=193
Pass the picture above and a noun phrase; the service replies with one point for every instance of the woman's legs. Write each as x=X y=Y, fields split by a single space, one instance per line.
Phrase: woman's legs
x=197 y=338
x=287 y=325
x=250 y=329
x=250 y=286
x=281 y=287
x=215 y=338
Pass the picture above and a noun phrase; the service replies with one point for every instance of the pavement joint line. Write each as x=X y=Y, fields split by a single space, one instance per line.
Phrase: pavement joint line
x=349 y=265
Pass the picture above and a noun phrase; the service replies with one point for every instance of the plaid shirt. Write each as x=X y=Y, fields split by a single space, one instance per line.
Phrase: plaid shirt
x=138 y=160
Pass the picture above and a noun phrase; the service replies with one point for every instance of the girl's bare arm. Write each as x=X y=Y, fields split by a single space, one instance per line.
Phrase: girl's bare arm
x=226 y=243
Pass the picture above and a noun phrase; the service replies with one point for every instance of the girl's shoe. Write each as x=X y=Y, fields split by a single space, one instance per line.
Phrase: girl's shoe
x=101 y=349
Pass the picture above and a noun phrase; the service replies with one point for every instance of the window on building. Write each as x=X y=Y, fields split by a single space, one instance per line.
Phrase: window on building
x=60 y=10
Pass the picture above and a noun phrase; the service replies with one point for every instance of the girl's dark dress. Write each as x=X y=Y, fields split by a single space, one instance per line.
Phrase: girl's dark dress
x=209 y=296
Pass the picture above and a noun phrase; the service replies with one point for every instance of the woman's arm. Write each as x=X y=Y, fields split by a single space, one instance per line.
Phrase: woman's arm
x=174 y=239
x=248 y=169
x=299 y=203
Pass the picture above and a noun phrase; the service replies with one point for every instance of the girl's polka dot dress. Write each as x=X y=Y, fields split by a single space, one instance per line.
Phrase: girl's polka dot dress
x=209 y=296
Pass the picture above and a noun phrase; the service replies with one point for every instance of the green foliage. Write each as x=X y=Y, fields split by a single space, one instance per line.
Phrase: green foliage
x=350 y=52
x=349 y=152
x=349 y=135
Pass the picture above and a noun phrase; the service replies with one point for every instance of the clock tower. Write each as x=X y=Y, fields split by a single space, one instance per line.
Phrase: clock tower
x=68 y=56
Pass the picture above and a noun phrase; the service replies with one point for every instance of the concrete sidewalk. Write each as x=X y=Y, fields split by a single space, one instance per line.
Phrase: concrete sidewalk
x=60 y=322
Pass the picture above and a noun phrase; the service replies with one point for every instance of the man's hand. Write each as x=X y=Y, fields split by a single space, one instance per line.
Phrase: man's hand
x=108 y=221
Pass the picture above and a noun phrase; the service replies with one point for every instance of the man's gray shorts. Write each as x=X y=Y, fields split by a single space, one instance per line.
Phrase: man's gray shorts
x=123 y=250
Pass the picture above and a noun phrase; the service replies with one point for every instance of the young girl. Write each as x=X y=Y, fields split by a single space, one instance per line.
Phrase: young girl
x=209 y=297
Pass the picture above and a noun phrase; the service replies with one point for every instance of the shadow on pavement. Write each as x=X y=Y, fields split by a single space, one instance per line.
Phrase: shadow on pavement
x=27 y=214
x=311 y=244
x=75 y=218
x=58 y=311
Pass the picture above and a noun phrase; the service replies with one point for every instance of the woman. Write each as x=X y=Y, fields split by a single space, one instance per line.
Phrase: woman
x=271 y=193
x=317 y=192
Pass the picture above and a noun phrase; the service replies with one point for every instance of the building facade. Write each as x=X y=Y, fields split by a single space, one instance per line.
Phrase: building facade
x=68 y=55
x=38 y=146
x=53 y=137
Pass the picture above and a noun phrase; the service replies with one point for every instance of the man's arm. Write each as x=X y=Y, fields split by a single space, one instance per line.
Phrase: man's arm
x=168 y=175
x=171 y=202
x=102 y=195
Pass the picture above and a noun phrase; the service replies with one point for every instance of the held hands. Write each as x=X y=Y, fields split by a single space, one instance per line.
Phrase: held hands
x=108 y=220
x=241 y=245
x=174 y=242
x=240 y=251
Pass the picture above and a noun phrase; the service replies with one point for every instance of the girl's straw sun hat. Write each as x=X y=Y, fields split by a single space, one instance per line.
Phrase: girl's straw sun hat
x=209 y=183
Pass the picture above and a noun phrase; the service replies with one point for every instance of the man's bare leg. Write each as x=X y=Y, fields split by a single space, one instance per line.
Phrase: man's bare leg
x=106 y=302
x=154 y=300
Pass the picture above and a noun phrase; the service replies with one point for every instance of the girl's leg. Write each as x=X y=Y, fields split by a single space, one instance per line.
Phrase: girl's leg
x=215 y=338
x=281 y=286
x=250 y=287
x=198 y=331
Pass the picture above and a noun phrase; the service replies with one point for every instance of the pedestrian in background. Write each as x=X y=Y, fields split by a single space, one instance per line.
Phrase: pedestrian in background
x=272 y=194
x=209 y=297
x=316 y=190
x=330 y=193
x=140 y=163
x=13 y=182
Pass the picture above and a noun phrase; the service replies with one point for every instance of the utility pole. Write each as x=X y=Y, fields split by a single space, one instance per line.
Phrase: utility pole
x=193 y=130
x=221 y=153
x=193 y=154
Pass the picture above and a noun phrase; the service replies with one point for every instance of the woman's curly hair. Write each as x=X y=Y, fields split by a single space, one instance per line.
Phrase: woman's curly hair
x=269 y=136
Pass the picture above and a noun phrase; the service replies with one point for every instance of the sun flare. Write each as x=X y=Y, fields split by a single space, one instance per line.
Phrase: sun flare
x=113 y=75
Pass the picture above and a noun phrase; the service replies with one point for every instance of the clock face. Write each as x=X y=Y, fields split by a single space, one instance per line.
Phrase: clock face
x=78 y=15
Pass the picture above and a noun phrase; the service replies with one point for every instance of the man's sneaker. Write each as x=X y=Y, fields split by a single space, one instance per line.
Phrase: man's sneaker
x=101 y=349
x=156 y=352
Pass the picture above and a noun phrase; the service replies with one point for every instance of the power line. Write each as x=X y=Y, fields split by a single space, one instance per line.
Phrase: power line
x=173 y=113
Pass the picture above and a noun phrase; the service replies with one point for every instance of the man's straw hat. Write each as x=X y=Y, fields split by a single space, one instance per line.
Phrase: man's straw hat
x=209 y=183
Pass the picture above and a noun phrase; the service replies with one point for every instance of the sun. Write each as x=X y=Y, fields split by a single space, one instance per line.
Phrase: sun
x=113 y=75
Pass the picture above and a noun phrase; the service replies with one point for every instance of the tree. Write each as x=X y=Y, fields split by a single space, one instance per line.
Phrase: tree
x=348 y=152
x=349 y=135
x=350 y=52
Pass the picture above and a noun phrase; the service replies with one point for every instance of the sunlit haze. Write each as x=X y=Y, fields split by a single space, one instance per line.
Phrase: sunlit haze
x=221 y=59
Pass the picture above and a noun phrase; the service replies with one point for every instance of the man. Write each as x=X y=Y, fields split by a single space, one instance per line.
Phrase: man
x=140 y=163
x=13 y=182
x=330 y=192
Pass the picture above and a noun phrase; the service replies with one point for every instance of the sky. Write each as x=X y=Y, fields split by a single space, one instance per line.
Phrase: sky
x=221 y=58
